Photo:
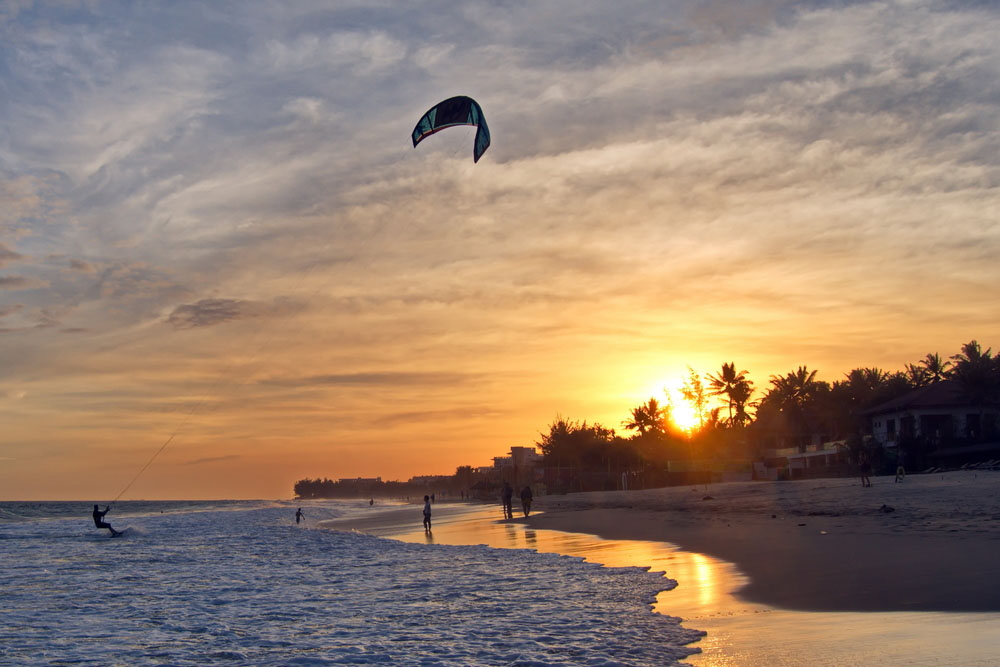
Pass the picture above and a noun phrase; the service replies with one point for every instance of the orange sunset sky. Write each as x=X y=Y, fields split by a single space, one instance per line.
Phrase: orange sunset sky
x=214 y=227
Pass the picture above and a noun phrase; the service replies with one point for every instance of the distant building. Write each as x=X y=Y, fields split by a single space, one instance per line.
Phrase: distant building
x=940 y=418
x=522 y=466
x=936 y=412
x=503 y=467
x=825 y=460
x=430 y=480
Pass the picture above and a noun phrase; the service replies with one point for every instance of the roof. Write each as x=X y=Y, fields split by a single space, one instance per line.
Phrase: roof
x=943 y=394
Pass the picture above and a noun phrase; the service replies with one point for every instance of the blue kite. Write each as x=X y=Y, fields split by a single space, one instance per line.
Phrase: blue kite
x=455 y=111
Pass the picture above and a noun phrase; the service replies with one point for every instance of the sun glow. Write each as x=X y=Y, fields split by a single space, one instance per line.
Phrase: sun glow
x=682 y=414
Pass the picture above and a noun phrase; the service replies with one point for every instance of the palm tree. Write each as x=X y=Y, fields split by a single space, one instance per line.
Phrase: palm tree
x=918 y=376
x=646 y=418
x=740 y=399
x=936 y=368
x=789 y=401
x=795 y=389
x=978 y=375
x=735 y=387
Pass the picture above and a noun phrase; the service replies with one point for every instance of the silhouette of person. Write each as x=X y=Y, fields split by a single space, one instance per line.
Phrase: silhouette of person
x=427 y=514
x=101 y=523
x=371 y=502
x=507 y=494
x=526 y=497
x=866 y=469
x=299 y=515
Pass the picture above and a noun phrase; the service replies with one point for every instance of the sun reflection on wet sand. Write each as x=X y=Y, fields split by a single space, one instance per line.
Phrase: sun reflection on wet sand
x=739 y=632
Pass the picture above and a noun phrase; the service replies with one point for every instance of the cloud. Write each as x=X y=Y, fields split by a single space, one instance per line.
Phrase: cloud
x=8 y=255
x=19 y=283
x=464 y=414
x=373 y=379
x=10 y=309
x=212 y=459
x=209 y=312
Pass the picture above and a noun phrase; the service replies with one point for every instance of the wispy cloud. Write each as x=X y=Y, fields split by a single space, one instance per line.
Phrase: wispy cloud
x=209 y=312
x=373 y=379
x=213 y=459
x=7 y=255
x=12 y=282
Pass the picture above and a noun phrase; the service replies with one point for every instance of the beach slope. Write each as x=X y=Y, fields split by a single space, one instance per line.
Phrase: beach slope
x=929 y=543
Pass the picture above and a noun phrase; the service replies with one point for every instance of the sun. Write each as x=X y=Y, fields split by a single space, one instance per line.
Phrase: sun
x=683 y=415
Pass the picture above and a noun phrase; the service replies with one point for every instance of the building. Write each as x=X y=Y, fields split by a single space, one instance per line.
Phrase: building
x=939 y=421
x=936 y=412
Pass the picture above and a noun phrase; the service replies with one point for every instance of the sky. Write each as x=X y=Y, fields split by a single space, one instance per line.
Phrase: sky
x=220 y=252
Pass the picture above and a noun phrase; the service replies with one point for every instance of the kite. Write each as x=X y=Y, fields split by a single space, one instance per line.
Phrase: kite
x=454 y=111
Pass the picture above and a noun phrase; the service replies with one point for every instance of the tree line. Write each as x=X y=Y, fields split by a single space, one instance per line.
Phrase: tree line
x=736 y=421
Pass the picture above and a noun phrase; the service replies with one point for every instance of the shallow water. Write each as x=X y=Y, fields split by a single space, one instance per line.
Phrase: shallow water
x=241 y=583
x=741 y=633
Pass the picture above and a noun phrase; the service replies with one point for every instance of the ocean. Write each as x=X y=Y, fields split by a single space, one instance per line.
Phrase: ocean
x=239 y=583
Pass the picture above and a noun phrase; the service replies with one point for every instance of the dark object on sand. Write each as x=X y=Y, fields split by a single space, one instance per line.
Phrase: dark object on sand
x=708 y=498
x=885 y=509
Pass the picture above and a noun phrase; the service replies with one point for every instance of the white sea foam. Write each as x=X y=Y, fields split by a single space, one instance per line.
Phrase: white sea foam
x=248 y=586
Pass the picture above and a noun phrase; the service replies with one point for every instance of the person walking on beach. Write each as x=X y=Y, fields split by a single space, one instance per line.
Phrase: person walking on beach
x=299 y=516
x=101 y=523
x=507 y=495
x=865 y=466
x=526 y=498
x=427 y=514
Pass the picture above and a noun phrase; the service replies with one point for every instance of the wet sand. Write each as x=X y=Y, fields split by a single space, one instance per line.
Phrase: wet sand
x=929 y=556
x=928 y=544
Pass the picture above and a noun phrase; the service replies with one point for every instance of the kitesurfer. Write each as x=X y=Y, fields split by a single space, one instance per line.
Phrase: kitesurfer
x=101 y=523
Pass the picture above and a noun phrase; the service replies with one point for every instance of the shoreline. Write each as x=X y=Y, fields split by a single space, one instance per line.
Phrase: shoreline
x=810 y=571
x=929 y=544
x=822 y=545
x=714 y=594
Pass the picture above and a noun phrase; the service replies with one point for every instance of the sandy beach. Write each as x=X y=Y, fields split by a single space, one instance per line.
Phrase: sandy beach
x=929 y=543
x=780 y=573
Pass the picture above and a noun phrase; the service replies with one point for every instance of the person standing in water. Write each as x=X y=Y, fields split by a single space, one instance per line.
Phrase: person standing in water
x=427 y=514
x=526 y=498
x=299 y=515
x=507 y=495
x=101 y=523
